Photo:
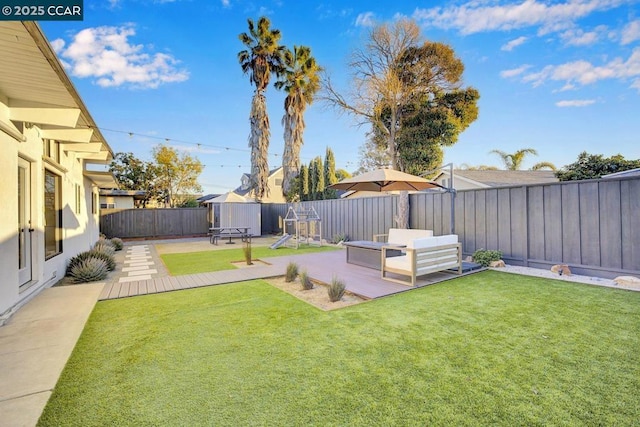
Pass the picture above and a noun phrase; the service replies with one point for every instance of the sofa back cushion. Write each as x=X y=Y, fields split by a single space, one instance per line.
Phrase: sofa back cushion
x=401 y=236
x=430 y=242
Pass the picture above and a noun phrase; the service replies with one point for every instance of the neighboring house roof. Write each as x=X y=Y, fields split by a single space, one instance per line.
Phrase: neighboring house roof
x=630 y=172
x=136 y=194
x=207 y=197
x=502 y=178
x=230 y=197
x=245 y=191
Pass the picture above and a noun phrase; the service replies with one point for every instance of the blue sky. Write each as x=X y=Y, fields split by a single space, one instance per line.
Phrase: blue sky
x=558 y=76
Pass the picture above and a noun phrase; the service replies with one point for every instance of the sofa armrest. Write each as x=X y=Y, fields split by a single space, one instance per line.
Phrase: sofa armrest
x=380 y=237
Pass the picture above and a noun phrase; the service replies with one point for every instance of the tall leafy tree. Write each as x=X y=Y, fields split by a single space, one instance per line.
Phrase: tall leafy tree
x=373 y=154
x=329 y=174
x=316 y=179
x=262 y=57
x=132 y=173
x=514 y=161
x=394 y=75
x=592 y=166
x=177 y=174
x=300 y=80
x=303 y=183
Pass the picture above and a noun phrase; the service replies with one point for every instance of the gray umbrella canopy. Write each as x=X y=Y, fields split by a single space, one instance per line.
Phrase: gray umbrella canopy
x=385 y=180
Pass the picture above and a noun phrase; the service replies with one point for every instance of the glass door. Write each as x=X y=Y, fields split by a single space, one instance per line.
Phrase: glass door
x=25 y=229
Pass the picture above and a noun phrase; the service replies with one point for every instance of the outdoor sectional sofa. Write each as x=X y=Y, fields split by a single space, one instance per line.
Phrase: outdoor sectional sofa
x=422 y=254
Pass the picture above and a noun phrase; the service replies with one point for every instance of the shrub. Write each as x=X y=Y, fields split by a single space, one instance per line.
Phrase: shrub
x=305 y=281
x=340 y=237
x=89 y=270
x=336 y=289
x=292 y=272
x=103 y=246
x=485 y=257
x=117 y=243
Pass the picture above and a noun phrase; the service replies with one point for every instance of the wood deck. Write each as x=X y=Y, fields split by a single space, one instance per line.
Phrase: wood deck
x=362 y=281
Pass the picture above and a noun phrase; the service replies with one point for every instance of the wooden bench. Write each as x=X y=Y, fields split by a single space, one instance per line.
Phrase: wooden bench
x=423 y=256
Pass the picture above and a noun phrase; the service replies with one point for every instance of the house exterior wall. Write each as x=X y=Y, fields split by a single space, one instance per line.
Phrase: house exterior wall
x=118 y=202
x=274 y=183
x=80 y=221
x=459 y=183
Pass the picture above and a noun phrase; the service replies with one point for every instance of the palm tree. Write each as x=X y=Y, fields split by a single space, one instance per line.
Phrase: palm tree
x=300 y=80
x=543 y=165
x=262 y=57
x=513 y=162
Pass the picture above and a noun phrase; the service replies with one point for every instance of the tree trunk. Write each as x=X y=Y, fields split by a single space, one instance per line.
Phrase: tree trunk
x=259 y=143
x=402 y=219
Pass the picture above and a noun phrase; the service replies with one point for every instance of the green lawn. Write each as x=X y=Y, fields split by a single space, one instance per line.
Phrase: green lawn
x=217 y=260
x=486 y=349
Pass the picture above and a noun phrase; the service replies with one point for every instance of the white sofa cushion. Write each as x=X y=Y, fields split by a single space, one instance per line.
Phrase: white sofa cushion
x=401 y=236
x=402 y=262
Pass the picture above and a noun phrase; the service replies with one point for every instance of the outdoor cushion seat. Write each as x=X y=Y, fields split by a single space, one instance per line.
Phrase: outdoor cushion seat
x=402 y=236
x=424 y=256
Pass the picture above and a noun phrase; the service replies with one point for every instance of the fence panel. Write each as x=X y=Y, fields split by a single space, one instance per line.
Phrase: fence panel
x=136 y=223
x=593 y=225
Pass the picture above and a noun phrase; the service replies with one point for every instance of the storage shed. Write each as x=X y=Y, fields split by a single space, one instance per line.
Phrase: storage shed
x=234 y=210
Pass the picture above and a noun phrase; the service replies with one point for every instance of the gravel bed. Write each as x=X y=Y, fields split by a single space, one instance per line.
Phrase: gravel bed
x=537 y=272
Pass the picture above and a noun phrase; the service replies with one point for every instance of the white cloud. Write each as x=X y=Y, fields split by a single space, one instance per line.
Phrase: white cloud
x=631 y=32
x=575 y=103
x=478 y=16
x=584 y=73
x=578 y=37
x=226 y=3
x=506 y=74
x=106 y=54
x=366 y=19
x=513 y=44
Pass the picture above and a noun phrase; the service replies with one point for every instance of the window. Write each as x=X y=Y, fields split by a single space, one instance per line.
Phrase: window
x=78 y=199
x=51 y=149
x=107 y=205
x=94 y=203
x=278 y=182
x=52 y=214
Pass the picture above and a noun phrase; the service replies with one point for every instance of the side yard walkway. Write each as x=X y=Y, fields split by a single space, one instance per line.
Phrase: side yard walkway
x=35 y=345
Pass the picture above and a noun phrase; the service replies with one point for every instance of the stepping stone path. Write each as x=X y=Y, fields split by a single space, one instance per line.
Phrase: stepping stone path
x=138 y=264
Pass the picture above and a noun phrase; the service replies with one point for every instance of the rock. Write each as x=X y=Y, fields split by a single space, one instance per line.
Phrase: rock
x=469 y=258
x=627 y=281
x=497 y=264
x=561 y=269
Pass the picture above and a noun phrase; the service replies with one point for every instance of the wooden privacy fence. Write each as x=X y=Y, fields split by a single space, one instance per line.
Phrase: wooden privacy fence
x=593 y=226
x=132 y=223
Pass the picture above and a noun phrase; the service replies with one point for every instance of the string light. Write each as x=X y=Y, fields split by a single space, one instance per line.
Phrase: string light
x=198 y=145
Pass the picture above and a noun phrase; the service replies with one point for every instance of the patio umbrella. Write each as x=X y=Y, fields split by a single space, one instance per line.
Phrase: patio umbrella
x=385 y=180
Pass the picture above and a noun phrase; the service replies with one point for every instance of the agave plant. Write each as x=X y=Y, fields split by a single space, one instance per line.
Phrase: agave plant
x=102 y=246
x=108 y=259
x=89 y=270
x=117 y=243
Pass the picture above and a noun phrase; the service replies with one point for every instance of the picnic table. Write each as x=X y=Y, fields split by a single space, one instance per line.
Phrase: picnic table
x=230 y=232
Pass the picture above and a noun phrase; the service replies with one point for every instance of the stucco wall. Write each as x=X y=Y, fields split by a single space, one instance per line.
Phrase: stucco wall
x=79 y=229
